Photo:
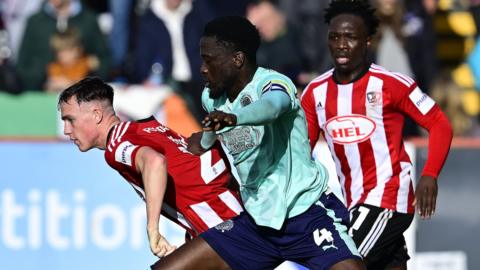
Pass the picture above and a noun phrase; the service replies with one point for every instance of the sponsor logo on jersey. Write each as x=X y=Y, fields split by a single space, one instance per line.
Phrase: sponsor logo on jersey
x=155 y=129
x=225 y=226
x=421 y=100
x=374 y=98
x=240 y=139
x=124 y=151
x=348 y=129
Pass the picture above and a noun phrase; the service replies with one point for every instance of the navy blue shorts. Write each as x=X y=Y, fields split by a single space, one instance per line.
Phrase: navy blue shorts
x=316 y=239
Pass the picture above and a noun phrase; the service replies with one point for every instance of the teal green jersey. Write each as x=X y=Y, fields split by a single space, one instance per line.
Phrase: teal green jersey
x=278 y=178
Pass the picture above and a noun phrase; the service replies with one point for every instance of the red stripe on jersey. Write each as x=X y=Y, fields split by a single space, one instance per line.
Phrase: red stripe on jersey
x=367 y=157
x=309 y=104
x=331 y=110
x=389 y=198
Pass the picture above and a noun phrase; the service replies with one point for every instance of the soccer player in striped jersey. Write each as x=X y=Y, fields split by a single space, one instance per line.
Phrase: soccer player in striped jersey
x=359 y=107
x=193 y=191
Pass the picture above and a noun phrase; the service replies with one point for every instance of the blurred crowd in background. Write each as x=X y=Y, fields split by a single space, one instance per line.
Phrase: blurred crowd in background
x=47 y=45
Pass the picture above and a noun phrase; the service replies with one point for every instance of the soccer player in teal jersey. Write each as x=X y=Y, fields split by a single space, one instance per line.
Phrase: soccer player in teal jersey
x=268 y=141
x=290 y=213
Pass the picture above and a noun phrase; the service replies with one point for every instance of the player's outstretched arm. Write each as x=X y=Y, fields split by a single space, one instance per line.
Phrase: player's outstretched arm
x=268 y=108
x=153 y=168
x=265 y=110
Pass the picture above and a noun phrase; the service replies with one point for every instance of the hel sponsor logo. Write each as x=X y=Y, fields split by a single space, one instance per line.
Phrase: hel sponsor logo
x=124 y=152
x=421 y=100
x=348 y=129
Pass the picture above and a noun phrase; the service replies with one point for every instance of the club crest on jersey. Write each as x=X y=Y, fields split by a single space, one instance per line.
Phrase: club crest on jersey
x=347 y=129
x=225 y=226
x=374 y=98
x=245 y=100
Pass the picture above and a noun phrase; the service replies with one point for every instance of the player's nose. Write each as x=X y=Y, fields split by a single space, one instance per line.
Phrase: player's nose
x=67 y=130
x=203 y=68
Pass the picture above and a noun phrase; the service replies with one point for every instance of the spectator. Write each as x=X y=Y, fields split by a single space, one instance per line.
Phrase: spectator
x=420 y=41
x=167 y=40
x=390 y=37
x=15 y=14
x=278 y=50
x=311 y=39
x=8 y=78
x=120 y=33
x=58 y=15
x=71 y=64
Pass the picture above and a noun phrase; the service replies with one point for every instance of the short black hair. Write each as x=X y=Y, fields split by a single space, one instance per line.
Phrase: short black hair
x=361 y=8
x=88 y=89
x=235 y=31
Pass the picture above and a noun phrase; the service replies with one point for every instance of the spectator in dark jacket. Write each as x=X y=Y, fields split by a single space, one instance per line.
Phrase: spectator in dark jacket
x=169 y=34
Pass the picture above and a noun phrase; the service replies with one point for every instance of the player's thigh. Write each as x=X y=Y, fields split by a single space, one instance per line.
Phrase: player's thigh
x=244 y=245
x=195 y=254
x=378 y=233
x=326 y=244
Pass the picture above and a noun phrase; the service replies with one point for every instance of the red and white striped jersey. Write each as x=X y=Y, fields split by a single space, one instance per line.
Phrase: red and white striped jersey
x=197 y=196
x=362 y=124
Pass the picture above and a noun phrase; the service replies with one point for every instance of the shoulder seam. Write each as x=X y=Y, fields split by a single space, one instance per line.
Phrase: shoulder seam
x=405 y=80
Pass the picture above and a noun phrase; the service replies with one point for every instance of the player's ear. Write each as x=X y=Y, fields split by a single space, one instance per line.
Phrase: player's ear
x=369 y=41
x=97 y=114
x=239 y=58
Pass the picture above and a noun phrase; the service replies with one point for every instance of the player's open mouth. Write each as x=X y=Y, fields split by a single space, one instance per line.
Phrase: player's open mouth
x=342 y=60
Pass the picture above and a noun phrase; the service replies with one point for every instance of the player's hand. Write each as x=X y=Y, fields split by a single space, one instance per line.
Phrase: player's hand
x=193 y=144
x=158 y=244
x=426 y=196
x=217 y=120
